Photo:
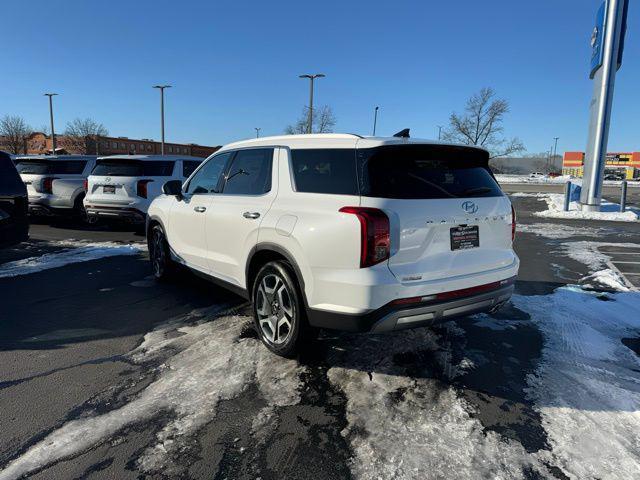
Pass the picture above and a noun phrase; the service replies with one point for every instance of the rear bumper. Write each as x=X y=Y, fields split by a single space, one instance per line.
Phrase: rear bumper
x=397 y=317
x=127 y=214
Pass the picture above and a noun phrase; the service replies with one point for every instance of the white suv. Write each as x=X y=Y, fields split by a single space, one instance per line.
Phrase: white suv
x=121 y=187
x=55 y=183
x=341 y=232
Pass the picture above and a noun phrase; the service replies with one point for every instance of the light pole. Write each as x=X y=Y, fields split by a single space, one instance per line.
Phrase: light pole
x=311 y=77
x=257 y=129
x=375 y=120
x=162 y=87
x=439 y=132
x=53 y=132
x=555 y=148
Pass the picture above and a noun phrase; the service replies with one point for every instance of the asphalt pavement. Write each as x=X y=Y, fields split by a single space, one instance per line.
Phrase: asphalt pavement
x=69 y=352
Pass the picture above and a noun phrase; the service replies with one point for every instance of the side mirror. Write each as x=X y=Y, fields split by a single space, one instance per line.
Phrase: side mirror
x=173 y=187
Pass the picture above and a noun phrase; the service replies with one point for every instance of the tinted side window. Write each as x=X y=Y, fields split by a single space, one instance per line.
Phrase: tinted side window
x=250 y=172
x=207 y=179
x=325 y=171
x=188 y=167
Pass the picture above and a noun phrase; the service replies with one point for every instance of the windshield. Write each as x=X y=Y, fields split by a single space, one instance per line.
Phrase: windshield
x=425 y=172
x=47 y=167
x=133 y=168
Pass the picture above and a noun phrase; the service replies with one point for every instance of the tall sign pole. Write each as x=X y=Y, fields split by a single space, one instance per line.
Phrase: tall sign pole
x=607 y=42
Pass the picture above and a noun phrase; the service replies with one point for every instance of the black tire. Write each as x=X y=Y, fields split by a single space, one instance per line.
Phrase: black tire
x=79 y=212
x=278 y=310
x=159 y=255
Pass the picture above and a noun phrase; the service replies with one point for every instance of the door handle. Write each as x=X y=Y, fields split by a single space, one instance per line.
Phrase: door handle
x=251 y=215
x=199 y=209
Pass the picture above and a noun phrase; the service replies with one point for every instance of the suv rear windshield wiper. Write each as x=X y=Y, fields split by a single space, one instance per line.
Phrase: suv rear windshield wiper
x=474 y=191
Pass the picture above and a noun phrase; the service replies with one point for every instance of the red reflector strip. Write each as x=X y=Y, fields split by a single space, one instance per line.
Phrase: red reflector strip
x=467 y=292
x=464 y=292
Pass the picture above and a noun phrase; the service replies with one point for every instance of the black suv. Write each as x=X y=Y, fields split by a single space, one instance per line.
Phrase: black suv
x=14 y=225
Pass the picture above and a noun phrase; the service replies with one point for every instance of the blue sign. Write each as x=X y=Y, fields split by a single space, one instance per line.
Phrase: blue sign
x=597 y=38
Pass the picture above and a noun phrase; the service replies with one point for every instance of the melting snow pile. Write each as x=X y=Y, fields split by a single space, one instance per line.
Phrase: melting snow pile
x=587 y=387
x=79 y=252
x=609 y=211
x=203 y=362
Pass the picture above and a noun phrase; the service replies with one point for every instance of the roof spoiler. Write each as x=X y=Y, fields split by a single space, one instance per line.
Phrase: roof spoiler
x=402 y=133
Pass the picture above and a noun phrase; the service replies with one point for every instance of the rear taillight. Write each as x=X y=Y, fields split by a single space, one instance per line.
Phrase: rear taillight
x=85 y=185
x=513 y=223
x=374 y=234
x=47 y=184
x=141 y=188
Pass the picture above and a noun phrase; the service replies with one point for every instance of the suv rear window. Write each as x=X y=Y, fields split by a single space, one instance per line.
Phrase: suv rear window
x=425 y=172
x=325 y=171
x=56 y=167
x=117 y=167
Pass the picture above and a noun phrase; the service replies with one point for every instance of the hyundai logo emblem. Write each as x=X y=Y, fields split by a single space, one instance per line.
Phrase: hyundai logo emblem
x=469 y=207
x=108 y=179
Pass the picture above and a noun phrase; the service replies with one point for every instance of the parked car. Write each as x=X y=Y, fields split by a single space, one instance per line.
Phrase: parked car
x=537 y=175
x=14 y=223
x=55 y=183
x=122 y=187
x=341 y=232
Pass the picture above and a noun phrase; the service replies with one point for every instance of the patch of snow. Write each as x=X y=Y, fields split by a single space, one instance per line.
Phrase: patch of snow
x=511 y=179
x=528 y=194
x=609 y=211
x=605 y=280
x=201 y=363
x=80 y=252
x=519 y=179
x=587 y=388
x=588 y=253
x=402 y=427
x=561 y=231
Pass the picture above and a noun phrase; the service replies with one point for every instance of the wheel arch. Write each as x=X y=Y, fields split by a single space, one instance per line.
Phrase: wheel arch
x=267 y=252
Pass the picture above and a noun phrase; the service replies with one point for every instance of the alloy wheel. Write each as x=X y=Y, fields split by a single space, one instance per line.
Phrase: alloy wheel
x=158 y=253
x=274 y=308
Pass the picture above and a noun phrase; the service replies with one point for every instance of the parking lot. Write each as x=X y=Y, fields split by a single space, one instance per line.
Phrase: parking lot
x=106 y=373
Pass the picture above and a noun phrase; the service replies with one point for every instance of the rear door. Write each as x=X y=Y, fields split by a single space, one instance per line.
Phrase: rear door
x=115 y=181
x=447 y=214
x=234 y=217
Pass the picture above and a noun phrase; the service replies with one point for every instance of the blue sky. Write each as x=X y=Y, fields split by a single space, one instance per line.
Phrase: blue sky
x=235 y=65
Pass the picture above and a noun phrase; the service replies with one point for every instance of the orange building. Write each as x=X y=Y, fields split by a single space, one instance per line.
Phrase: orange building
x=621 y=165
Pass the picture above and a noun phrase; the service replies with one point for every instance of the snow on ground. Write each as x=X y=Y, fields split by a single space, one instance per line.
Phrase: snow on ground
x=406 y=427
x=74 y=252
x=587 y=386
x=515 y=179
x=586 y=389
x=589 y=254
x=202 y=361
x=507 y=178
x=607 y=279
x=557 y=231
x=609 y=211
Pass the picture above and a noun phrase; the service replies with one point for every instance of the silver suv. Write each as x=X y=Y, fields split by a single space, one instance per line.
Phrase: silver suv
x=55 y=183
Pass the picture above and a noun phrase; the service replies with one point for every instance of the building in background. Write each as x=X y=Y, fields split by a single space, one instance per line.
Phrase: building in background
x=620 y=165
x=40 y=144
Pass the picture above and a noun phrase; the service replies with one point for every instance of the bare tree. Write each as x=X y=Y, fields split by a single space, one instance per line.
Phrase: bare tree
x=323 y=121
x=14 y=132
x=81 y=134
x=481 y=124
